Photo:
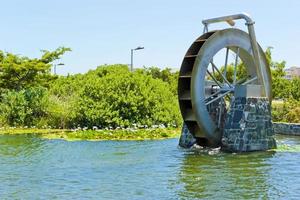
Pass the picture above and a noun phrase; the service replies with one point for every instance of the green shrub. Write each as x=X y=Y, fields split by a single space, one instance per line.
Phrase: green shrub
x=37 y=102
x=114 y=96
x=23 y=107
x=286 y=111
x=13 y=108
x=295 y=89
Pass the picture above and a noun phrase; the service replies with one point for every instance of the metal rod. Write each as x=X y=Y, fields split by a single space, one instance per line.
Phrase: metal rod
x=224 y=78
x=205 y=29
x=235 y=65
x=54 y=69
x=241 y=81
x=213 y=69
x=220 y=114
x=226 y=61
x=250 y=80
x=131 y=63
x=222 y=95
x=214 y=78
x=212 y=95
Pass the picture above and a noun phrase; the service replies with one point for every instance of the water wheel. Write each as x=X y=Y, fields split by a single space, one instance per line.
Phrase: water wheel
x=204 y=89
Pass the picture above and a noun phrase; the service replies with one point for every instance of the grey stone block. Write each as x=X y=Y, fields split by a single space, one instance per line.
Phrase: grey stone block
x=255 y=130
x=186 y=140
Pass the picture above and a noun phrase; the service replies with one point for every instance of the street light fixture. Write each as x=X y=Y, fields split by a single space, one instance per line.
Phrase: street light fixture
x=136 y=49
x=60 y=64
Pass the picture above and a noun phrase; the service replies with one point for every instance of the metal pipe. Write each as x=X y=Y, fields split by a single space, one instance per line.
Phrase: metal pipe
x=205 y=29
x=255 y=50
x=54 y=69
x=131 y=59
x=131 y=64
x=229 y=19
x=257 y=59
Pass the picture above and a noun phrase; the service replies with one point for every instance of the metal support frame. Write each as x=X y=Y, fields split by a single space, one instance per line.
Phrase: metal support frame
x=255 y=50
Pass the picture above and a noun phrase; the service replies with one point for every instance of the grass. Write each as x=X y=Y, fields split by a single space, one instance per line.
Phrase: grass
x=121 y=134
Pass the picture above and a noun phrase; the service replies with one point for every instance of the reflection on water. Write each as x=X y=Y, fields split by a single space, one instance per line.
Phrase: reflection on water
x=225 y=175
x=32 y=167
x=13 y=146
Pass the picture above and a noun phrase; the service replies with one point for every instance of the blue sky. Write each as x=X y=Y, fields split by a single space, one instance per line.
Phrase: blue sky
x=104 y=31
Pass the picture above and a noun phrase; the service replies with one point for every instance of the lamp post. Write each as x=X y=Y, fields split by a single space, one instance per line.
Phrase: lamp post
x=60 y=64
x=131 y=63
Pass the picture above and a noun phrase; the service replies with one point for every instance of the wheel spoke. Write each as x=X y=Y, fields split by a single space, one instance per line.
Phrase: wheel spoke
x=226 y=61
x=241 y=81
x=214 y=79
x=220 y=113
x=224 y=78
x=250 y=80
x=235 y=65
x=213 y=69
x=222 y=95
x=210 y=96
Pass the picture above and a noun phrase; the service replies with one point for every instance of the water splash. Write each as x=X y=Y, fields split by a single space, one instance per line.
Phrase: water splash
x=287 y=148
x=282 y=146
x=210 y=151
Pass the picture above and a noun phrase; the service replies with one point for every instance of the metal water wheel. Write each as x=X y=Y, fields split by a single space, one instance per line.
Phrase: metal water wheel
x=204 y=89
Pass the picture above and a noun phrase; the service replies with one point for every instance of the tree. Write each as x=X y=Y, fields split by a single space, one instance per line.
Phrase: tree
x=295 y=88
x=165 y=75
x=17 y=72
x=281 y=87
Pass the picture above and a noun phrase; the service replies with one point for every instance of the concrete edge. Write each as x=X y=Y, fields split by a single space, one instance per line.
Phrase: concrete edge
x=284 y=128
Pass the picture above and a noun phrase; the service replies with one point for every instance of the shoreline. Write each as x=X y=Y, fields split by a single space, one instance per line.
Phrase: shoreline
x=96 y=135
x=129 y=134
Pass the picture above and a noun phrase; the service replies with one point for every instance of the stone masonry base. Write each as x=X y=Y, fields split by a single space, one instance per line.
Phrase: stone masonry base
x=248 y=126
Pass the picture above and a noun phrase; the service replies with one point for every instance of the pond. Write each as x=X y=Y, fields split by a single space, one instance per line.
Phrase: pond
x=35 y=168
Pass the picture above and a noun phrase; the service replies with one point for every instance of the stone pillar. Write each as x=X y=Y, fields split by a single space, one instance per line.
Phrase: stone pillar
x=187 y=140
x=248 y=125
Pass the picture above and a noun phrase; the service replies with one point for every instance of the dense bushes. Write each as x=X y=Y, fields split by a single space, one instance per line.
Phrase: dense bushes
x=113 y=96
x=24 y=107
x=286 y=111
x=286 y=107
x=110 y=96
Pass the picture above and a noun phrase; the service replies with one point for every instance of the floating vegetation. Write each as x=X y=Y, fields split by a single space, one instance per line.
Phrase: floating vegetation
x=101 y=134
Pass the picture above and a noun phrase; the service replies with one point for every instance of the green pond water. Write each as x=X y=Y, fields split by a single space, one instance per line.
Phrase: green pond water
x=35 y=168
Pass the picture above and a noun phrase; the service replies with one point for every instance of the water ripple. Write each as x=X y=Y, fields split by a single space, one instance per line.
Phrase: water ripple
x=40 y=168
